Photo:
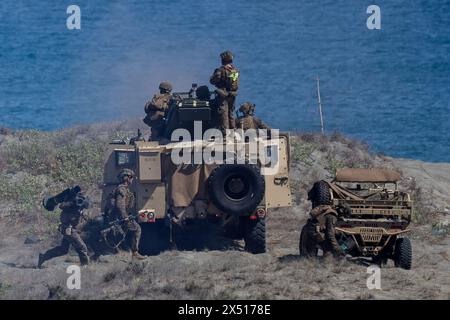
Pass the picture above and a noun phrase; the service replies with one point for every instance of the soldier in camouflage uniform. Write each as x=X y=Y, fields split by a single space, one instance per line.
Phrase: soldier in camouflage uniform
x=248 y=120
x=324 y=218
x=122 y=202
x=156 y=109
x=70 y=219
x=226 y=80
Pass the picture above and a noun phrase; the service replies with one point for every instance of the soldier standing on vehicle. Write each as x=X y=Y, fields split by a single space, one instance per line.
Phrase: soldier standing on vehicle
x=226 y=80
x=122 y=202
x=156 y=109
x=248 y=120
x=72 y=212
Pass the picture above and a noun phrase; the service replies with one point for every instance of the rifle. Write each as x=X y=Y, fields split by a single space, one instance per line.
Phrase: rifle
x=113 y=228
x=117 y=222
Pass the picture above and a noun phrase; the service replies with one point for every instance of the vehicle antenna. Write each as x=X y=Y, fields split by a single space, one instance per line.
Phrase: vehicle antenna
x=320 y=104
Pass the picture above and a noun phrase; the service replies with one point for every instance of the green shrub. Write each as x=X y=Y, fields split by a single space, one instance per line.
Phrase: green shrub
x=31 y=152
x=303 y=151
x=333 y=164
x=80 y=163
x=23 y=191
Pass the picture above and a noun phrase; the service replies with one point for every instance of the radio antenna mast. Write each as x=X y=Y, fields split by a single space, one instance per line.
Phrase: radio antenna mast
x=320 y=104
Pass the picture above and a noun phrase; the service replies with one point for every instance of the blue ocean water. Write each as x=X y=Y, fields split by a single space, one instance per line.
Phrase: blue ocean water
x=389 y=87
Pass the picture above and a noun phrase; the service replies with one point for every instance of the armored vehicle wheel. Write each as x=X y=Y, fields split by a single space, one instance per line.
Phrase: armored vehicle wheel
x=307 y=246
x=154 y=238
x=255 y=235
x=320 y=194
x=403 y=253
x=236 y=189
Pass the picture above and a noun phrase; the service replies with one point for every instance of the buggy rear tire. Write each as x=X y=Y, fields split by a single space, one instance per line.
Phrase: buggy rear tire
x=320 y=194
x=236 y=189
x=255 y=235
x=403 y=253
x=307 y=246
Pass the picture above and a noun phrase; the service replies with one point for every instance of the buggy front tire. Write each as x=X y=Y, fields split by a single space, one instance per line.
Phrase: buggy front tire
x=403 y=253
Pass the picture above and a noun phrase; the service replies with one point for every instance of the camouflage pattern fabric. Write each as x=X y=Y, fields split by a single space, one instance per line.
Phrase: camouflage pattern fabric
x=123 y=202
x=70 y=219
x=226 y=80
x=155 y=110
x=250 y=122
x=325 y=217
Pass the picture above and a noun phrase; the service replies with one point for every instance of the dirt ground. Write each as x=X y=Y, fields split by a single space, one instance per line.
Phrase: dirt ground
x=217 y=268
x=227 y=274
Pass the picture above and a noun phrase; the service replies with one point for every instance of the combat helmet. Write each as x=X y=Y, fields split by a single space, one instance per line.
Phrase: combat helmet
x=227 y=57
x=125 y=173
x=165 y=86
x=247 y=108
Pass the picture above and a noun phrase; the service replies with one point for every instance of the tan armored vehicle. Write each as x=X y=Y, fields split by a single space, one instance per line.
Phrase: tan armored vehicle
x=170 y=194
x=372 y=216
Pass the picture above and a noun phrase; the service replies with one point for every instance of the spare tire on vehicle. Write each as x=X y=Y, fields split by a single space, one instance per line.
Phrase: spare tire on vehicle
x=236 y=188
x=320 y=194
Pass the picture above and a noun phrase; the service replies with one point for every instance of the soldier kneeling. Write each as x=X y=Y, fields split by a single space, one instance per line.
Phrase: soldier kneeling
x=323 y=219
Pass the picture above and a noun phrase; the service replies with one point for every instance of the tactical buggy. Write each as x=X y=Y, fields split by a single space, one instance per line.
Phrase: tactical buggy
x=373 y=216
x=236 y=196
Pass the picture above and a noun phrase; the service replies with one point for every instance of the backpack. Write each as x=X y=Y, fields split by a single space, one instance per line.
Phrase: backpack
x=160 y=102
x=232 y=77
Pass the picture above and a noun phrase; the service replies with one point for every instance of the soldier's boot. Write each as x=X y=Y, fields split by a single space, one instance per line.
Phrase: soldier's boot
x=84 y=260
x=137 y=256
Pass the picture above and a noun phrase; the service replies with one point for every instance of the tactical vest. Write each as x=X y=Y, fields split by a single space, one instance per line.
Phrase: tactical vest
x=110 y=204
x=70 y=215
x=231 y=77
